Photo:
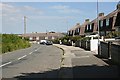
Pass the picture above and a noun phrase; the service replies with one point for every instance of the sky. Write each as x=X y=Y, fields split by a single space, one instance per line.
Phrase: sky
x=49 y=16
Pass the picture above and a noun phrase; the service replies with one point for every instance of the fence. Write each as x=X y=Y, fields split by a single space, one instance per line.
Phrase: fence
x=105 y=49
x=115 y=53
x=83 y=44
x=111 y=50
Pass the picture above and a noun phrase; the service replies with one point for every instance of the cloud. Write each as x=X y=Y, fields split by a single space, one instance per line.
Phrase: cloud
x=12 y=13
x=65 y=9
x=6 y=8
x=32 y=10
x=60 y=7
x=55 y=18
x=10 y=9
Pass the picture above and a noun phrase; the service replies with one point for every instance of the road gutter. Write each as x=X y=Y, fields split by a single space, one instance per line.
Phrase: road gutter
x=66 y=63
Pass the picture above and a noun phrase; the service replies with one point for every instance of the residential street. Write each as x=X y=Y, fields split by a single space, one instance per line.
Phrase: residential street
x=35 y=62
x=42 y=61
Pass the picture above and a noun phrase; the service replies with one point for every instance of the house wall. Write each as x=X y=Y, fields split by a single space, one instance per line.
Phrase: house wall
x=94 y=46
x=111 y=18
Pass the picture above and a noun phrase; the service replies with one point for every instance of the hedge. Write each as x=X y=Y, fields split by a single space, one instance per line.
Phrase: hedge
x=11 y=42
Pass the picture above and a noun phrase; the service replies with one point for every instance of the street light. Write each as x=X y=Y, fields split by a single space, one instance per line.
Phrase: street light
x=99 y=52
x=25 y=24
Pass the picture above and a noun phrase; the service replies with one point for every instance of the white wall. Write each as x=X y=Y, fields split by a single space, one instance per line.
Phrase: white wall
x=94 y=45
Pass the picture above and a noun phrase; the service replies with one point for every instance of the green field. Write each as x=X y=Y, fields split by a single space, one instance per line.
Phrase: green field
x=11 y=42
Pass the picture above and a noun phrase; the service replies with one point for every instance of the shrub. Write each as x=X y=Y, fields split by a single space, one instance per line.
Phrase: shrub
x=11 y=42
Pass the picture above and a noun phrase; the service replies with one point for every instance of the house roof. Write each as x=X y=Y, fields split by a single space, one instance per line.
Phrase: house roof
x=42 y=34
x=114 y=13
x=83 y=27
x=74 y=27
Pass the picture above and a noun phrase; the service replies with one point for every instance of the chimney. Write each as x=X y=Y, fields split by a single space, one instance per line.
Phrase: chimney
x=101 y=14
x=87 y=20
x=118 y=5
x=78 y=24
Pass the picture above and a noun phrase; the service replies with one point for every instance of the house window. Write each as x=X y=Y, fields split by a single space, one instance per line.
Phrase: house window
x=37 y=38
x=79 y=29
x=46 y=37
x=30 y=38
x=87 y=27
x=90 y=27
x=71 y=32
x=101 y=23
x=107 y=22
x=53 y=37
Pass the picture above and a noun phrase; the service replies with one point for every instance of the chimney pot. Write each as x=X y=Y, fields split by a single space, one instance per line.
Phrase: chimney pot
x=87 y=20
x=78 y=24
x=101 y=14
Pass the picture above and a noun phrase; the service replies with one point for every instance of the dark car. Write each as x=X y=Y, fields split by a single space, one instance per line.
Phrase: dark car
x=49 y=43
x=117 y=37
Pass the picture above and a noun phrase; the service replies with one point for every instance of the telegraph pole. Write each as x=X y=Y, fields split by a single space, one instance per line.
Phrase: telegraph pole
x=25 y=24
x=99 y=47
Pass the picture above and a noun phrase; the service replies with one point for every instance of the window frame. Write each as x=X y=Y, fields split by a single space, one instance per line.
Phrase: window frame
x=107 y=22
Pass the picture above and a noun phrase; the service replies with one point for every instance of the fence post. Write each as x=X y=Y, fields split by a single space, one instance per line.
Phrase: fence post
x=109 y=50
x=86 y=45
x=79 y=43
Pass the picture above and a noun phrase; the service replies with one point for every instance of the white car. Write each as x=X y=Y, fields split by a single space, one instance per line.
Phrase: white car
x=43 y=41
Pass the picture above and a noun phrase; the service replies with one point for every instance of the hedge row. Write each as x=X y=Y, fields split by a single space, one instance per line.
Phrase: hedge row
x=11 y=42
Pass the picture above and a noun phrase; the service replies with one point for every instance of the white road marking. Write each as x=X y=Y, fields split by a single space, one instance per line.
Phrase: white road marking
x=22 y=57
x=5 y=64
x=30 y=52
x=18 y=59
x=37 y=49
x=82 y=56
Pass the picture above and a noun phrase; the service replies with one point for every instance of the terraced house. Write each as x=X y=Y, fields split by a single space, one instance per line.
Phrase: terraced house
x=108 y=23
x=36 y=37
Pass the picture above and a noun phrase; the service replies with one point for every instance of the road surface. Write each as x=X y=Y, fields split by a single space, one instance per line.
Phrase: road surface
x=38 y=61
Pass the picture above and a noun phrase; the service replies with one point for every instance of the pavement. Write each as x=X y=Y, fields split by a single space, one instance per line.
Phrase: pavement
x=79 y=63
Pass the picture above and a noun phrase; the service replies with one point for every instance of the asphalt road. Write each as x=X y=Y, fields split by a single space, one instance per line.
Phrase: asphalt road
x=38 y=61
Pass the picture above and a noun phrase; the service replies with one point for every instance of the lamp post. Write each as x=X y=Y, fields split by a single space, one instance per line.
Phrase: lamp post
x=99 y=47
x=24 y=24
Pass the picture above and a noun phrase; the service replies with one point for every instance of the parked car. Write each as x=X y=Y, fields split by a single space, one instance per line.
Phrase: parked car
x=46 y=42
x=49 y=43
x=43 y=42
x=117 y=38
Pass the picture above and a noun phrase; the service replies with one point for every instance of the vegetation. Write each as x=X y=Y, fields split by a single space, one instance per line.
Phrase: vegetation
x=67 y=40
x=11 y=42
x=113 y=34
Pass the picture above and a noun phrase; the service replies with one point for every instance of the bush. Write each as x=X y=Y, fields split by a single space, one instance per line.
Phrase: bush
x=56 y=41
x=85 y=39
x=11 y=42
x=113 y=34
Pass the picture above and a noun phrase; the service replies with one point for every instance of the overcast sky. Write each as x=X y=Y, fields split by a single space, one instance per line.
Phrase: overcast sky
x=49 y=16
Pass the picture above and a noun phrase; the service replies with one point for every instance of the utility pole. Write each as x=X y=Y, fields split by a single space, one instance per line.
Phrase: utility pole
x=25 y=24
x=99 y=47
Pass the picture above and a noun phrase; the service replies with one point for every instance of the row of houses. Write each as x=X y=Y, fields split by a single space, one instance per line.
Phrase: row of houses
x=42 y=36
x=106 y=24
